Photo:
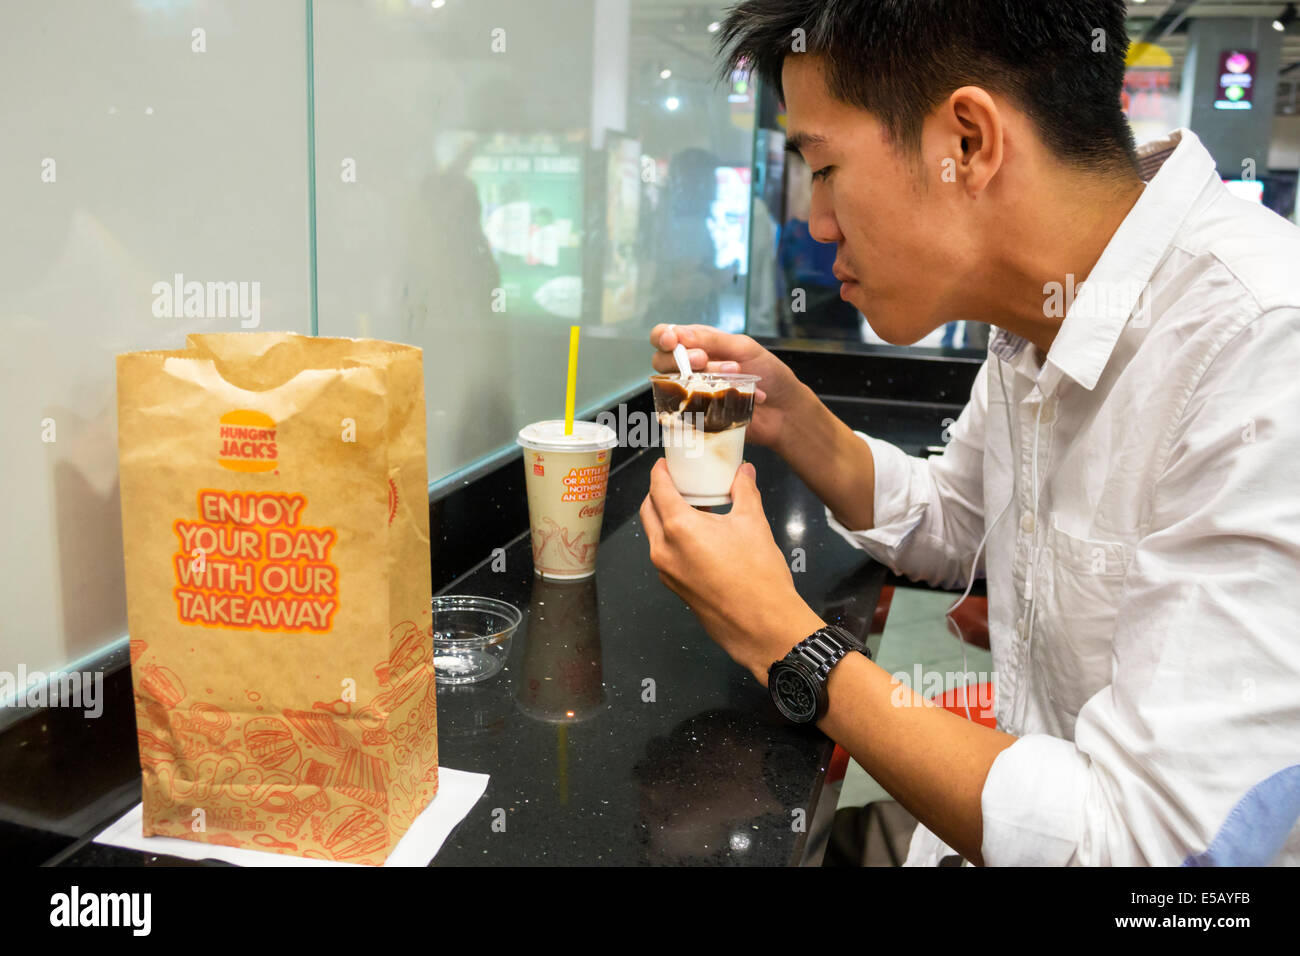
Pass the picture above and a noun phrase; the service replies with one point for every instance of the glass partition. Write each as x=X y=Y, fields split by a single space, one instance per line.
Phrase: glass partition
x=470 y=177
x=489 y=173
x=148 y=146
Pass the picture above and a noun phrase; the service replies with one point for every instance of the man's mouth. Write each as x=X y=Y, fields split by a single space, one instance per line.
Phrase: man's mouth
x=842 y=274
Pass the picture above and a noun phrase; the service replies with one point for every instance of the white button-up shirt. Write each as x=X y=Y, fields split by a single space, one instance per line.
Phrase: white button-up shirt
x=1144 y=600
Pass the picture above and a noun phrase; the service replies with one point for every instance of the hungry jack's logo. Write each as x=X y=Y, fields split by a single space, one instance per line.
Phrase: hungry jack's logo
x=247 y=441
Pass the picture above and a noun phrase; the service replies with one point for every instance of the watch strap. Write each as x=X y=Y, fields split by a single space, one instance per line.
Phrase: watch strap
x=826 y=647
x=820 y=654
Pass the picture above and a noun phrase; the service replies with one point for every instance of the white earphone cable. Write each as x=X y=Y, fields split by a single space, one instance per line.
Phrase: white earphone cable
x=970 y=578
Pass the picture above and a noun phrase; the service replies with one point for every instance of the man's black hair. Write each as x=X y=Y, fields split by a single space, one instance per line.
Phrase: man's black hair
x=1061 y=61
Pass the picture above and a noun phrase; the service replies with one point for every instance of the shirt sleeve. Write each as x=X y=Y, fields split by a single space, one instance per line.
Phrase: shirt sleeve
x=1192 y=754
x=929 y=511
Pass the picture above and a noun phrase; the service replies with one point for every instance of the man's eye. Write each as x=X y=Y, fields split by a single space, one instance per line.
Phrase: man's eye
x=822 y=173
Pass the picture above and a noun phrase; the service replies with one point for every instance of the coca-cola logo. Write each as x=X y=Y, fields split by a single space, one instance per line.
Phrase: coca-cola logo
x=590 y=511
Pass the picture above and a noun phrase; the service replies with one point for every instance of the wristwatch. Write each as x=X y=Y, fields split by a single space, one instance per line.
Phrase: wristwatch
x=797 y=682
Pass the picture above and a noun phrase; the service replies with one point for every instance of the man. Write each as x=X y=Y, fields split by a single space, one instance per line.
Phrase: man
x=1127 y=455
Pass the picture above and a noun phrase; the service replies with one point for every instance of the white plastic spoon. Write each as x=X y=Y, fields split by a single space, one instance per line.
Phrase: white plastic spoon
x=683 y=361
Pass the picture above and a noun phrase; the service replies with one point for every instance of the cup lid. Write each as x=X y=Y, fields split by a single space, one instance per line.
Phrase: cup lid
x=549 y=436
x=711 y=381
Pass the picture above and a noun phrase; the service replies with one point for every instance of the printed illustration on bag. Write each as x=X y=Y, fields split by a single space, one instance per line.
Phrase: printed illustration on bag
x=297 y=773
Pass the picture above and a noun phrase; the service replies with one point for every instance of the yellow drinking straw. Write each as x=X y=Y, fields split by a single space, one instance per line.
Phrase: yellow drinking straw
x=573 y=379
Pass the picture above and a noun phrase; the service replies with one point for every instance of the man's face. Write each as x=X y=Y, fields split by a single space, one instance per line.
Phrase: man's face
x=895 y=222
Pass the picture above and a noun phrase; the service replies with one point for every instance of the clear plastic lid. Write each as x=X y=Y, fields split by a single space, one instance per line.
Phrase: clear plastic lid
x=549 y=436
x=709 y=382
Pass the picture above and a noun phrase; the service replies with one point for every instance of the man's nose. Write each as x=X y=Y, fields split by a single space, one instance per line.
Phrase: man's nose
x=822 y=224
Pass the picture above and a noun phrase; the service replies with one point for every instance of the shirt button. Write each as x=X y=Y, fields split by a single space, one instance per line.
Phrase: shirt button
x=1027 y=522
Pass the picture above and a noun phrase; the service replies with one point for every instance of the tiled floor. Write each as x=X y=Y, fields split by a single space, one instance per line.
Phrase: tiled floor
x=916 y=633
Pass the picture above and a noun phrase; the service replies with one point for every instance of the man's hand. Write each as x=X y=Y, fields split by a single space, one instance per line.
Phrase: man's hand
x=788 y=418
x=710 y=350
x=729 y=571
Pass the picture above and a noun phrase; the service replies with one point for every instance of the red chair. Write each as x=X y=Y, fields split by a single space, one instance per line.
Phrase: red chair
x=839 y=765
x=970 y=622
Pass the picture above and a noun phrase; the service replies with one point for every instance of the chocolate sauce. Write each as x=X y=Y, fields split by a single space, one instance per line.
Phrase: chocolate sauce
x=721 y=409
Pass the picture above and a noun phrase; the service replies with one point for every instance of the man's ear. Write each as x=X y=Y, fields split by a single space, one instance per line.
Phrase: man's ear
x=973 y=123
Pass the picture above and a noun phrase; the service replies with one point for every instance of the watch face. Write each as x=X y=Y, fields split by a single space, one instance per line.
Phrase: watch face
x=794 y=694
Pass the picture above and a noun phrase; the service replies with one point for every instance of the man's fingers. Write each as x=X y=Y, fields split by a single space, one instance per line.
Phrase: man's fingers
x=668 y=503
x=721 y=346
x=663 y=362
x=707 y=349
x=664 y=336
x=699 y=359
x=744 y=491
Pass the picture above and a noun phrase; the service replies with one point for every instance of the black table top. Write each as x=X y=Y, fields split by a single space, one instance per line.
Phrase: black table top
x=674 y=754
x=617 y=733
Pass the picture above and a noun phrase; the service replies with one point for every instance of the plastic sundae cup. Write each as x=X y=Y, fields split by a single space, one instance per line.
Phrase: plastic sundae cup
x=702 y=421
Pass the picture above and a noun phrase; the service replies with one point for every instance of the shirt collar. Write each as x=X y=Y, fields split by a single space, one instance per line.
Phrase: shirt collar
x=1176 y=169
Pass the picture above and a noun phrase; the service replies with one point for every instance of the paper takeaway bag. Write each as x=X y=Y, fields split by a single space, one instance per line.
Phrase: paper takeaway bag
x=276 y=528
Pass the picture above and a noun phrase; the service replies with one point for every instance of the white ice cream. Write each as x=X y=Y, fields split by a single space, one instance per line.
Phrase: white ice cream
x=703 y=464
